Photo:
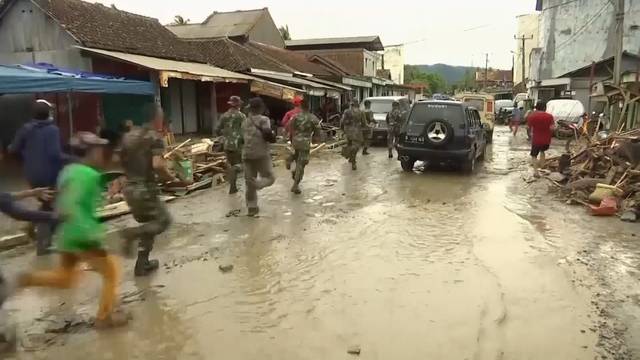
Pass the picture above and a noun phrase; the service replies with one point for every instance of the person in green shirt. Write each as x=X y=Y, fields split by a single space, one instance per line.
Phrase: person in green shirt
x=80 y=235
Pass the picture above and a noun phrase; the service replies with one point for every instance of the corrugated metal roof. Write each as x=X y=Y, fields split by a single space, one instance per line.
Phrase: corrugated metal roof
x=172 y=65
x=375 y=43
x=292 y=80
x=220 y=24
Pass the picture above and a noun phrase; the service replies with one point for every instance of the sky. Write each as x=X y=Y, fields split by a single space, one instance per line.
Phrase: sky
x=455 y=32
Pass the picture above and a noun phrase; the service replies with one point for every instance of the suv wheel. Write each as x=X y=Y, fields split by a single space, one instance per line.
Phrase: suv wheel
x=407 y=165
x=438 y=132
x=469 y=165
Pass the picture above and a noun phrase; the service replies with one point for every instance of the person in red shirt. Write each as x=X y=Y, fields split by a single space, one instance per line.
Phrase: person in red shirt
x=541 y=124
x=297 y=101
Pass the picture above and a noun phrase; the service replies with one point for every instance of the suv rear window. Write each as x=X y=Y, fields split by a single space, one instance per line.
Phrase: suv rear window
x=381 y=106
x=425 y=113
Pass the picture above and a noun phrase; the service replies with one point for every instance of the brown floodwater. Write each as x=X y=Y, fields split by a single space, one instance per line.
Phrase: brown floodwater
x=428 y=265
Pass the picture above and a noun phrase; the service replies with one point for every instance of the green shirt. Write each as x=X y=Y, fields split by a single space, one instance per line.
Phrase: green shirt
x=80 y=194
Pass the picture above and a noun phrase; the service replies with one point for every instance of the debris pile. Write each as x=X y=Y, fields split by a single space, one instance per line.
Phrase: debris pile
x=603 y=174
x=194 y=162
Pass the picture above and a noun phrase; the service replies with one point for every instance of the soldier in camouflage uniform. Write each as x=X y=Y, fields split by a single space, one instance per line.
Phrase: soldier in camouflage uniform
x=353 y=122
x=303 y=126
x=231 y=128
x=142 y=158
x=367 y=133
x=394 y=121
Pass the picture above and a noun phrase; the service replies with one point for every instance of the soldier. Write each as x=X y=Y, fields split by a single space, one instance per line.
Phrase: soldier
x=256 y=155
x=394 y=119
x=142 y=158
x=231 y=127
x=353 y=122
x=304 y=125
x=367 y=133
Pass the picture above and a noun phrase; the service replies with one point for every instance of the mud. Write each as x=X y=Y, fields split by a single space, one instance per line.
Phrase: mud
x=428 y=265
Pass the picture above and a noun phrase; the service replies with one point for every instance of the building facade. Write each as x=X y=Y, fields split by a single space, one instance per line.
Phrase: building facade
x=528 y=28
x=393 y=61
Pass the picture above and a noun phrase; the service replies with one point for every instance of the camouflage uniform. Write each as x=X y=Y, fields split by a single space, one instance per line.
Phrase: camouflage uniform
x=231 y=128
x=304 y=125
x=394 y=122
x=139 y=146
x=367 y=132
x=353 y=122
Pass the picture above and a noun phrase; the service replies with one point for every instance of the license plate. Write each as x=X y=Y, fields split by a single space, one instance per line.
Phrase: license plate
x=415 y=139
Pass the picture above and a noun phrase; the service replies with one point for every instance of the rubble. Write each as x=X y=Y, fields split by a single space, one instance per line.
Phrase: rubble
x=597 y=171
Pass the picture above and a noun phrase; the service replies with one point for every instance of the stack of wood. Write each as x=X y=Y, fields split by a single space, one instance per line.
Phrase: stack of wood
x=195 y=162
x=613 y=161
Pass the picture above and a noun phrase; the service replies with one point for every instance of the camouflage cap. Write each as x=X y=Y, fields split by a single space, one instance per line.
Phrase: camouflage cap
x=235 y=101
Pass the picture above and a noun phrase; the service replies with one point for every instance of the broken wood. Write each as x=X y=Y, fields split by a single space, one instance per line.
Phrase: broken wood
x=166 y=156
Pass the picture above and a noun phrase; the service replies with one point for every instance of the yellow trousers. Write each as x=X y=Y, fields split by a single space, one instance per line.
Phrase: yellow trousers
x=67 y=275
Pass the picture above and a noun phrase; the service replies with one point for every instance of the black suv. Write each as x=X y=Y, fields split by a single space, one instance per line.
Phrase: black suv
x=442 y=132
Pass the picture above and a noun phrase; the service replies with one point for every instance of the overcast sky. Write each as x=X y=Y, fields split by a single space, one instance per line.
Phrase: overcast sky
x=456 y=32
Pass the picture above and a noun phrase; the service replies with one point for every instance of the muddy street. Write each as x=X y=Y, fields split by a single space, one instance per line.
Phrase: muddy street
x=427 y=265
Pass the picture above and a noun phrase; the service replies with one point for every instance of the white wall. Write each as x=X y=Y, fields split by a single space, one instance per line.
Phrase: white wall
x=575 y=34
x=28 y=35
x=527 y=27
x=394 y=62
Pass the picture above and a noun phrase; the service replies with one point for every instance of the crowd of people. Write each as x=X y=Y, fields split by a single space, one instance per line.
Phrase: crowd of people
x=69 y=186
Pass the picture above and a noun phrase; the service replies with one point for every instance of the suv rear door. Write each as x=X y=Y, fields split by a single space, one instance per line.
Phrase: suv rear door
x=418 y=130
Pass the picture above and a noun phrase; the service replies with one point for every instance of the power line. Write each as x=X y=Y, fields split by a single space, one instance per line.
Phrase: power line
x=559 y=5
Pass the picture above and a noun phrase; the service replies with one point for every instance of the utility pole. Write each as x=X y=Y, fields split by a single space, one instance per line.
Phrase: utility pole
x=486 y=69
x=522 y=54
x=617 y=65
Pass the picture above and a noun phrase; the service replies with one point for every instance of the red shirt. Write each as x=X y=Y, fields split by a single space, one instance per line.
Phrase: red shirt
x=289 y=116
x=541 y=124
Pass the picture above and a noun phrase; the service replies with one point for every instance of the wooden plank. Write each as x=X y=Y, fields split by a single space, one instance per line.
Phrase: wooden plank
x=166 y=156
x=121 y=208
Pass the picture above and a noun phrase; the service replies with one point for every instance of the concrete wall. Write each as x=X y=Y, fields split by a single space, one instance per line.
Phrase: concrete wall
x=527 y=27
x=265 y=31
x=573 y=35
x=371 y=61
x=28 y=35
x=394 y=62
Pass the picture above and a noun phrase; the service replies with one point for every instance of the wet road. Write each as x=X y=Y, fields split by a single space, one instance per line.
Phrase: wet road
x=428 y=265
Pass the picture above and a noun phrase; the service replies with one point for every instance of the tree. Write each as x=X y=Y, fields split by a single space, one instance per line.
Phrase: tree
x=468 y=82
x=179 y=20
x=435 y=82
x=284 y=32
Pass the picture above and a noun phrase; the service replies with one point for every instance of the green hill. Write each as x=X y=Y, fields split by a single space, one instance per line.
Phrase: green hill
x=451 y=74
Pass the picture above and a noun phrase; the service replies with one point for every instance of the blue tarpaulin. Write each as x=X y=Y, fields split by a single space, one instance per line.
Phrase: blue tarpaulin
x=21 y=80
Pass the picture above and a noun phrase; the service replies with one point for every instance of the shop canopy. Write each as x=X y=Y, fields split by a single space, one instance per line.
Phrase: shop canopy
x=21 y=80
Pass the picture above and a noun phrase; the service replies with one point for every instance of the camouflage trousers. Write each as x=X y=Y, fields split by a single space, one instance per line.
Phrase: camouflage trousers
x=234 y=167
x=352 y=148
x=301 y=158
x=149 y=211
x=392 y=136
x=367 y=134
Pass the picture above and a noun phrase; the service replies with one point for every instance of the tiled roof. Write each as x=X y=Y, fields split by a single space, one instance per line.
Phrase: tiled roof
x=98 y=26
x=295 y=60
x=230 y=55
x=220 y=24
x=372 y=43
x=336 y=67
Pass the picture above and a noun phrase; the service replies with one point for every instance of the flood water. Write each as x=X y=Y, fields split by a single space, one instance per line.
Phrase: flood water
x=428 y=265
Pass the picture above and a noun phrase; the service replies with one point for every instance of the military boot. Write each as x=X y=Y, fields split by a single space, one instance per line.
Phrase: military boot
x=296 y=189
x=233 y=188
x=144 y=266
x=390 y=154
x=365 y=152
x=253 y=211
x=354 y=166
